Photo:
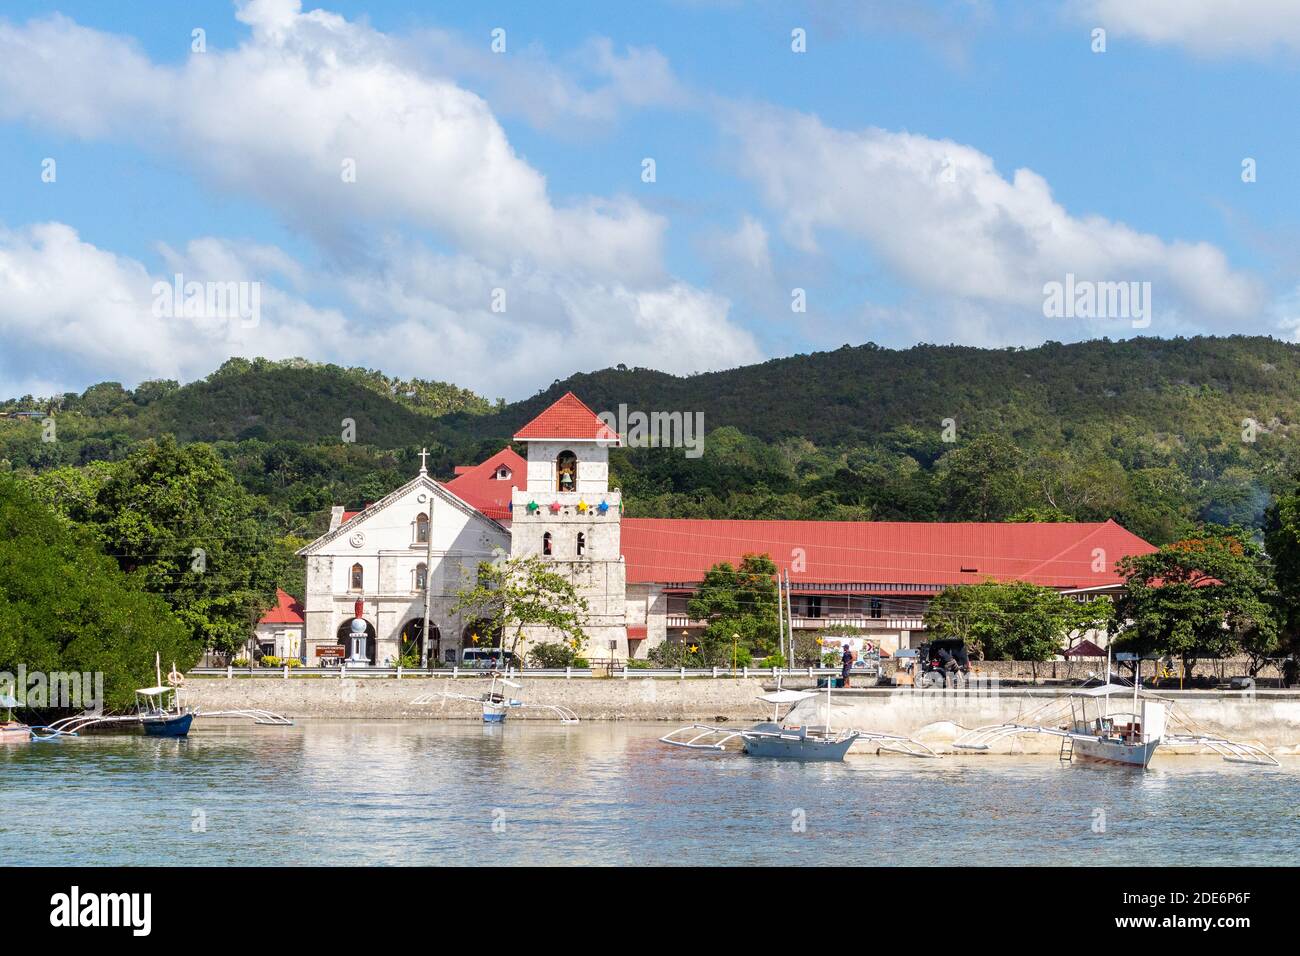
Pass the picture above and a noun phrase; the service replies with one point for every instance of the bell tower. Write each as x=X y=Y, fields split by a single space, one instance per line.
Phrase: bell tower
x=567 y=514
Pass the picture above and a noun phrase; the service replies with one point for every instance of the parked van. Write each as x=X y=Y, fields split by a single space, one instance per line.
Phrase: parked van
x=488 y=658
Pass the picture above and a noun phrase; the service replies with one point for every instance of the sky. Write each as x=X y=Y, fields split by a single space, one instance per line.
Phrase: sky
x=502 y=194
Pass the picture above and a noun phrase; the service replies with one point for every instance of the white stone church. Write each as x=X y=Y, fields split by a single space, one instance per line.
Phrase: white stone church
x=637 y=574
x=434 y=534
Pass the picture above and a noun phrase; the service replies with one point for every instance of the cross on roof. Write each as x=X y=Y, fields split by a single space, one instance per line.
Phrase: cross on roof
x=424 y=453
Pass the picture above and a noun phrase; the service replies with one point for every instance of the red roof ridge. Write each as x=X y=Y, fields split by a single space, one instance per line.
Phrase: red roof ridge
x=567 y=419
x=288 y=610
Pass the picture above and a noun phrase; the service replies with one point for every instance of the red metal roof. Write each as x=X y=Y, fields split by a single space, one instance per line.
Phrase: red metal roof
x=568 y=418
x=288 y=610
x=477 y=486
x=348 y=516
x=1061 y=555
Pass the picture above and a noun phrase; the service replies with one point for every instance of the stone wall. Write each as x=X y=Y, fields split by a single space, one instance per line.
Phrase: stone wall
x=935 y=717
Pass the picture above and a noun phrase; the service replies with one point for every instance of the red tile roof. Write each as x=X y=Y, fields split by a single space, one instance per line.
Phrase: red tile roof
x=1060 y=555
x=288 y=610
x=475 y=484
x=568 y=418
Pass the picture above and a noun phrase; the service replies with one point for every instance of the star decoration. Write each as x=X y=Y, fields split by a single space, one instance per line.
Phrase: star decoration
x=474 y=638
x=532 y=506
x=694 y=648
x=555 y=507
x=602 y=508
x=582 y=507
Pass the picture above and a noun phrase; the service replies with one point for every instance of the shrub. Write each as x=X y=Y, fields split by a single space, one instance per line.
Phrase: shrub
x=269 y=660
x=553 y=655
x=239 y=662
x=773 y=660
x=641 y=665
x=293 y=662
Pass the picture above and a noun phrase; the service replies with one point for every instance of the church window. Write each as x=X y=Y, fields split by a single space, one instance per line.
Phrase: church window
x=422 y=528
x=582 y=543
x=566 y=471
x=421 y=576
x=358 y=577
x=546 y=543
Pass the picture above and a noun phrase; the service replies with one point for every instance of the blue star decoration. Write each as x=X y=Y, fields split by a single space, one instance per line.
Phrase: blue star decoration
x=602 y=508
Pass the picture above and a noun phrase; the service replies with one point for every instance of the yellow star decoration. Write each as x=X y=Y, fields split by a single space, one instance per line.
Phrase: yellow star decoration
x=474 y=638
x=582 y=507
x=694 y=648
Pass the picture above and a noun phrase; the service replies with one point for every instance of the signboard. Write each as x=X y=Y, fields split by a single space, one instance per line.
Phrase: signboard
x=330 y=650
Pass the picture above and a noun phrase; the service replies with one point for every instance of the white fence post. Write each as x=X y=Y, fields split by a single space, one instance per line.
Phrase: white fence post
x=286 y=671
x=715 y=671
x=568 y=672
x=625 y=670
x=745 y=671
x=683 y=672
x=399 y=671
x=455 y=671
x=230 y=672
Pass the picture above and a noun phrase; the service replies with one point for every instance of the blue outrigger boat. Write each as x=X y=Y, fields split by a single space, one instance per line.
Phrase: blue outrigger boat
x=160 y=717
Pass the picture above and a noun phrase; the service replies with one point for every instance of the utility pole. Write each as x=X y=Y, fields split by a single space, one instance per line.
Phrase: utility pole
x=428 y=569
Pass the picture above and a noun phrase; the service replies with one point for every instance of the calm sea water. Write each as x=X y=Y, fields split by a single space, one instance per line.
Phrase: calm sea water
x=397 y=792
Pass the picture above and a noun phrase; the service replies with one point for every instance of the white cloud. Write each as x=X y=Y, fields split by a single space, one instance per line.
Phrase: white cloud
x=945 y=222
x=78 y=313
x=273 y=119
x=279 y=116
x=1206 y=27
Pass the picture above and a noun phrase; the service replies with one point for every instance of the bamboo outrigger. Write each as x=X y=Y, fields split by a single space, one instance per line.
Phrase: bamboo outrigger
x=497 y=703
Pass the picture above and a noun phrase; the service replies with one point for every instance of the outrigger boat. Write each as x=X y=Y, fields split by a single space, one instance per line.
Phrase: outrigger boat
x=1091 y=732
x=496 y=703
x=158 y=713
x=11 y=730
x=784 y=742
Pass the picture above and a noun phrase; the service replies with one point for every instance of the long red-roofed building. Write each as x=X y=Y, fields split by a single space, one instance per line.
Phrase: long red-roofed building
x=877 y=576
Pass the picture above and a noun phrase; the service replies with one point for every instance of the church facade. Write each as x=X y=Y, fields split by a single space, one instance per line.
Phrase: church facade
x=637 y=574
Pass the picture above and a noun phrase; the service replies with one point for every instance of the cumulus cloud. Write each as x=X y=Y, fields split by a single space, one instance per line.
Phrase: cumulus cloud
x=78 y=313
x=286 y=116
x=945 y=222
x=1206 y=27
x=276 y=119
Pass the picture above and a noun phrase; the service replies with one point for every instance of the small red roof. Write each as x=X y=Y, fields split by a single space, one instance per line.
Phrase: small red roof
x=567 y=419
x=349 y=515
x=288 y=610
x=477 y=485
x=1059 y=555
x=1084 y=648
x=636 y=632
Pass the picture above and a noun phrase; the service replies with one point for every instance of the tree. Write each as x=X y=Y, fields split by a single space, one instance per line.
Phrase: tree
x=1205 y=596
x=513 y=595
x=981 y=481
x=181 y=527
x=1012 y=621
x=1282 y=539
x=739 y=605
x=65 y=606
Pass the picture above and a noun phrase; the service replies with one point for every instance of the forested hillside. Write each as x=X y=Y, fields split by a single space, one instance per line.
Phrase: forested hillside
x=1159 y=434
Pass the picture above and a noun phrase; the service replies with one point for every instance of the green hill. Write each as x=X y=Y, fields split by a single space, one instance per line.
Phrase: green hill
x=1158 y=433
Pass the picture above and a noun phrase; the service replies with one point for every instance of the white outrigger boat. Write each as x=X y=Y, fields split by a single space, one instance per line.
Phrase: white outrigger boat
x=1090 y=731
x=159 y=713
x=11 y=731
x=783 y=742
x=496 y=703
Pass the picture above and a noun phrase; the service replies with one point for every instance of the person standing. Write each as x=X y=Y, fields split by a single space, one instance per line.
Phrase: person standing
x=846 y=665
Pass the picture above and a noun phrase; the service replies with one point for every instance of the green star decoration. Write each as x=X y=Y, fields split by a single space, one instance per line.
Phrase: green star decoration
x=532 y=507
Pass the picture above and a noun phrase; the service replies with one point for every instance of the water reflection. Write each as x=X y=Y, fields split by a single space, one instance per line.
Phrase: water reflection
x=397 y=792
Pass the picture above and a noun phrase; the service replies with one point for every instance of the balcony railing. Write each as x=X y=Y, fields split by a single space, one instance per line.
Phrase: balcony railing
x=809 y=623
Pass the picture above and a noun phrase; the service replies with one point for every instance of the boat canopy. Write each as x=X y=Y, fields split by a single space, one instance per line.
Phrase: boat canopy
x=1102 y=690
x=7 y=701
x=154 y=691
x=787 y=696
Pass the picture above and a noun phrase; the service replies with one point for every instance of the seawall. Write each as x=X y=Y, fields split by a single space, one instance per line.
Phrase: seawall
x=1271 y=718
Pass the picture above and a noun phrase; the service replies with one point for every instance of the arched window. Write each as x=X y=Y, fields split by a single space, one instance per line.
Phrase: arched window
x=358 y=578
x=422 y=528
x=421 y=576
x=546 y=543
x=566 y=471
x=582 y=543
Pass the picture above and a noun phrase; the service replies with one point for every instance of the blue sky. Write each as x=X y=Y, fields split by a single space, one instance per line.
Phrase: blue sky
x=521 y=171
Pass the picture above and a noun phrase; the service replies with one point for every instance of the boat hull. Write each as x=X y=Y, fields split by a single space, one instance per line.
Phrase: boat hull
x=1114 y=753
x=178 y=726
x=15 y=733
x=795 y=747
